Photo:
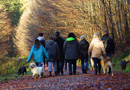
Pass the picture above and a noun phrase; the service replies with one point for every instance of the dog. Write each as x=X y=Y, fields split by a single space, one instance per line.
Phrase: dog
x=107 y=62
x=37 y=71
x=123 y=64
x=22 y=70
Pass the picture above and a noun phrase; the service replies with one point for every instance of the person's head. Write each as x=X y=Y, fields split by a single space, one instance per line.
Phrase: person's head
x=37 y=42
x=41 y=34
x=57 y=34
x=105 y=32
x=71 y=35
x=96 y=35
x=51 y=38
x=82 y=37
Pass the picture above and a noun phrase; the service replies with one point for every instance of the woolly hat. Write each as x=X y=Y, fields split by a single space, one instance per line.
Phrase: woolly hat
x=71 y=35
x=82 y=37
x=57 y=34
x=40 y=34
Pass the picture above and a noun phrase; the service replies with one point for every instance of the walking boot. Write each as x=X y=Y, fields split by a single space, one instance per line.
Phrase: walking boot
x=95 y=72
x=62 y=72
x=55 y=73
x=85 y=71
x=50 y=74
x=70 y=73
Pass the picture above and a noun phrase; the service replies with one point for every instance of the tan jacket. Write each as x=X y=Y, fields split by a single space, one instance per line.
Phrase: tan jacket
x=96 y=48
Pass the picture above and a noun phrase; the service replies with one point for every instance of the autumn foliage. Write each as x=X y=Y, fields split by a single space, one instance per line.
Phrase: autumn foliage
x=78 y=16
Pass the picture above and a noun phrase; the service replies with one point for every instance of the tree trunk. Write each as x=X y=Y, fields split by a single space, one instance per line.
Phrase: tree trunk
x=120 y=25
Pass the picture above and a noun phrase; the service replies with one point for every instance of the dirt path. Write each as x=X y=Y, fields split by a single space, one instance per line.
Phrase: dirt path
x=71 y=82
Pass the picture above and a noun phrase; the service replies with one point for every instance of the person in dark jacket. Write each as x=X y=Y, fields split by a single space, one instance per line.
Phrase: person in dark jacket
x=60 y=41
x=53 y=52
x=84 y=45
x=71 y=50
x=109 y=45
x=108 y=42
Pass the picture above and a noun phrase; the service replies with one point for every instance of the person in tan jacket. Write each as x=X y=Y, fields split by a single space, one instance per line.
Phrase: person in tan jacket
x=96 y=49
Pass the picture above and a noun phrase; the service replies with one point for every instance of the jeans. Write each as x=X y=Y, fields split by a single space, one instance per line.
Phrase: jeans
x=72 y=62
x=97 y=61
x=54 y=66
x=84 y=64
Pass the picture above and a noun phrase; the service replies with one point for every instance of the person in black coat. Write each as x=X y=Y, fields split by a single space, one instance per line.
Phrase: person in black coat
x=108 y=42
x=71 y=50
x=84 y=45
x=60 y=41
x=109 y=45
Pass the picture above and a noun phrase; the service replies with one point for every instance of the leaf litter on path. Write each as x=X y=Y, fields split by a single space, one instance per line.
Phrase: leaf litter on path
x=70 y=82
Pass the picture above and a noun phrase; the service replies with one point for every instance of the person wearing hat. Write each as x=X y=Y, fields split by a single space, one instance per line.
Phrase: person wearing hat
x=84 y=45
x=71 y=51
x=38 y=51
x=60 y=41
x=41 y=39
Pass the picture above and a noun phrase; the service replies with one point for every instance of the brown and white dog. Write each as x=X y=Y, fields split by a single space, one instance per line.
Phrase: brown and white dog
x=37 y=71
x=107 y=61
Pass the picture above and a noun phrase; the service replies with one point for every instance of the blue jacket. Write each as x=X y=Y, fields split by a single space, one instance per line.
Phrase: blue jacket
x=38 y=54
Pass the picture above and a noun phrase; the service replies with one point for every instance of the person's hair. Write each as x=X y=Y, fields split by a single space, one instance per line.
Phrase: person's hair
x=96 y=35
x=105 y=32
x=51 y=38
x=57 y=33
x=37 y=41
x=82 y=37
x=71 y=35
x=40 y=34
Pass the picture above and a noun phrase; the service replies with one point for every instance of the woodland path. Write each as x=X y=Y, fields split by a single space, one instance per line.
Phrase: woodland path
x=119 y=81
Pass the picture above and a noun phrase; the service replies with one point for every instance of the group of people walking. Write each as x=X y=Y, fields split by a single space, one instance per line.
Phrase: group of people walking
x=58 y=51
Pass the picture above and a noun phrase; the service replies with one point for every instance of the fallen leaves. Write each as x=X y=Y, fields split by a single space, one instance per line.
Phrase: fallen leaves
x=72 y=82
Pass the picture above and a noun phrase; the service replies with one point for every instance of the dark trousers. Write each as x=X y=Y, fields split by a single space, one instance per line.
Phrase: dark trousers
x=58 y=69
x=61 y=66
x=66 y=64
x=97 y=61
x=72 y=62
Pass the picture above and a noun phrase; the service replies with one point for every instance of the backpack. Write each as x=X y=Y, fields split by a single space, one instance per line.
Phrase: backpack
x=105 y=42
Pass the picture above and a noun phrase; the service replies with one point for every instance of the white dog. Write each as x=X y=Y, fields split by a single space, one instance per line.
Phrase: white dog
x=37 y=71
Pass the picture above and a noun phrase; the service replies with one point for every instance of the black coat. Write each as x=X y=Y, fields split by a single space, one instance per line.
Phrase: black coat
x=110 y=45
x=60 y=41
x=71 y=50
x=84 y=45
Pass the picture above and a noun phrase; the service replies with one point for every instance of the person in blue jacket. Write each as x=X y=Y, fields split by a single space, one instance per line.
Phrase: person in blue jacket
x=38 y=51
